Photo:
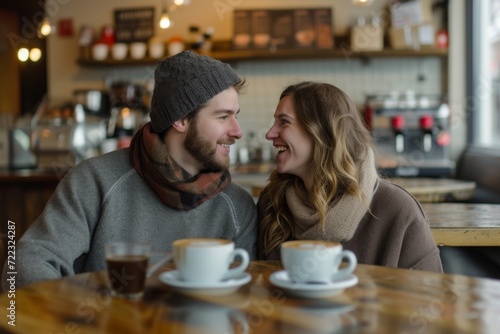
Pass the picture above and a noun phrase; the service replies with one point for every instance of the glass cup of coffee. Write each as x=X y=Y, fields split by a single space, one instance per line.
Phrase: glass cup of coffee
x=208 y=261
x=127 y=267
x=313 y=261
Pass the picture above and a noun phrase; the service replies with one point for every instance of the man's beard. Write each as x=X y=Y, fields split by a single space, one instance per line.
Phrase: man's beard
x=203 y=151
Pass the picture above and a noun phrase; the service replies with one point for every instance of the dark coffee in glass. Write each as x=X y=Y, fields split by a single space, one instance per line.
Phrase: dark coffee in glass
x=127 y=267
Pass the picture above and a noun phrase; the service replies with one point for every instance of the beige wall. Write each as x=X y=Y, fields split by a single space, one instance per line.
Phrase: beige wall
x=266 y=79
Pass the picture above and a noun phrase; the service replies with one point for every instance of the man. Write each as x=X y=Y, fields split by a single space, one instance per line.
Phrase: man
x=172 y=183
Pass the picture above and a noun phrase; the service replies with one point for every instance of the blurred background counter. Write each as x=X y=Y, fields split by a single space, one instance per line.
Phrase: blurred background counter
x=23 y=194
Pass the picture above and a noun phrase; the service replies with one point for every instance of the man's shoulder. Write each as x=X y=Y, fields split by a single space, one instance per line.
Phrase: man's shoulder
x=118 y=159
x=108 y=167
x=236 y=192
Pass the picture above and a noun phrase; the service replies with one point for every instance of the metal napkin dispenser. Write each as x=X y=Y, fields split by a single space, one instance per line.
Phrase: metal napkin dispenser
x=412 y=135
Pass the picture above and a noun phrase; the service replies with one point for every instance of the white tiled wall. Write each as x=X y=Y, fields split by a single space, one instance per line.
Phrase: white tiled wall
x=266 y=80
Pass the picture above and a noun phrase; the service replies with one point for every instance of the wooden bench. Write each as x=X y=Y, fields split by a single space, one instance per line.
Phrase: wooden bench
x=475 y=253
x=482 y=166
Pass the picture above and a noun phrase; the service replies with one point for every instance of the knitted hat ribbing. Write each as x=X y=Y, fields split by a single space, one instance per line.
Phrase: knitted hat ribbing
x=183 y=83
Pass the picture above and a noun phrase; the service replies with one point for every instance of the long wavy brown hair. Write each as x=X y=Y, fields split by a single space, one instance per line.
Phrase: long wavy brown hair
x=341 y=140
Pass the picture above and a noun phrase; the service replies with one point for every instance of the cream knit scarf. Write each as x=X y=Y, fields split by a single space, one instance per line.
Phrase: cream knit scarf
x=341 y=219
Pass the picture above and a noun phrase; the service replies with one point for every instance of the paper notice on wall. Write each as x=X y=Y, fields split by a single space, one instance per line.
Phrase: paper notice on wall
x=426 y=34
x=410 y=13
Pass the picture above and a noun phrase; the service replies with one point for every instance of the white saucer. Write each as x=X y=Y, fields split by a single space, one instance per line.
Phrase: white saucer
x=316 y=290
x=218 y=288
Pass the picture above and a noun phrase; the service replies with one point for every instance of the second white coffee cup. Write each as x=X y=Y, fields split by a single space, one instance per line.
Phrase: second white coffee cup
x=205 y=260
x=312 y=261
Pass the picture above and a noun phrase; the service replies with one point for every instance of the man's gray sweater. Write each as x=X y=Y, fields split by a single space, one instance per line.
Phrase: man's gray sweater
x=103 y=199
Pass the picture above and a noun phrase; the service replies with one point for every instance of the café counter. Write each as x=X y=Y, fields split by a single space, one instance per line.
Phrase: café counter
x=24 y=193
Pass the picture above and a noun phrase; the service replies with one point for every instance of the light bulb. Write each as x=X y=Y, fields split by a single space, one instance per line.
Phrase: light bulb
x=23 y=54
x=164 y=20
x=35 y=54
x=45 y=28
x=362 y=2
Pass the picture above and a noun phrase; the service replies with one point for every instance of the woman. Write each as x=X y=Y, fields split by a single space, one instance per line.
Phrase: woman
x=326 y=187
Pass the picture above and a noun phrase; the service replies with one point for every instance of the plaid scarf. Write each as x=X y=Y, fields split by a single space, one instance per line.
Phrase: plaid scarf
x=172 y=184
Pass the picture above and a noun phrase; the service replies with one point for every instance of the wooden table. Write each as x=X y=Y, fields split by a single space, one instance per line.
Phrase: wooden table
x=385 y=300
x=459 y=224
x=426 y=190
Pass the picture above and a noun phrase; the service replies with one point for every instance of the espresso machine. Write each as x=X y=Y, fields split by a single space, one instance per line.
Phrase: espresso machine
x=129 y=109
x=66 y=134
x=411 y=133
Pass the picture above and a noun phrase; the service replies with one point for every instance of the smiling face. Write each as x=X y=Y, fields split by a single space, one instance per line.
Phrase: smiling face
x=213 y=130
x=293 y=145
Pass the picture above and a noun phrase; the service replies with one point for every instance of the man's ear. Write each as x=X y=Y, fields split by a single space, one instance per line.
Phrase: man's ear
x=181 y=125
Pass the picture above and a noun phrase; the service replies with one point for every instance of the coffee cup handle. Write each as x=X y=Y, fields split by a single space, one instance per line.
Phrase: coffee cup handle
x=245 y=260
x=165 y=258
x=352 y=263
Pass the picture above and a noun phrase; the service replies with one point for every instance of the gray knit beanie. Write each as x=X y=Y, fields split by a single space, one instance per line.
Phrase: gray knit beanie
x=185 y=82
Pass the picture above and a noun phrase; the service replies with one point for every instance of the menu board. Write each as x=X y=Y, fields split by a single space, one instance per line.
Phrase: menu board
x=323 y=27
x=283 y=28
x=242 y=29
x=134 y=24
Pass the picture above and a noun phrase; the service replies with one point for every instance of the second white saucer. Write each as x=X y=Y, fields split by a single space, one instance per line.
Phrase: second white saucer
x=320 y=290
x=223 y=287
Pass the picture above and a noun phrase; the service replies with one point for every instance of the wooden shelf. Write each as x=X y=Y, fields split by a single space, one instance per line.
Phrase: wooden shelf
x=248 y=55
x=289 y=54
x=116 y=63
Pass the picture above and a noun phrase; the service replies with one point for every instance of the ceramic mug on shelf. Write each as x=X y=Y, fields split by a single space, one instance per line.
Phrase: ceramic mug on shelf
x=138 y=50
x=156 y=48
x=100 y=51
x=119 y=51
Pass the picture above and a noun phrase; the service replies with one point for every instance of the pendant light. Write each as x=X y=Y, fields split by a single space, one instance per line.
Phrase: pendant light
x=362 y=3
x=23 y=54
x=165 y=19
x=35 y=54
x=45 y=28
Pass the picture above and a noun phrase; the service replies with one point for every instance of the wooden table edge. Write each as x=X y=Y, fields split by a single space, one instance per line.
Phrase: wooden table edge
x=483 y=236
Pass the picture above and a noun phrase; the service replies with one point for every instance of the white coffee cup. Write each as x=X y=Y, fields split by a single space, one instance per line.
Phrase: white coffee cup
x=175 y=47
x=100 y=51
x=138 y=50
x=156 y=50
x=119 y=51
x=312 y=261
x=205 y=260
